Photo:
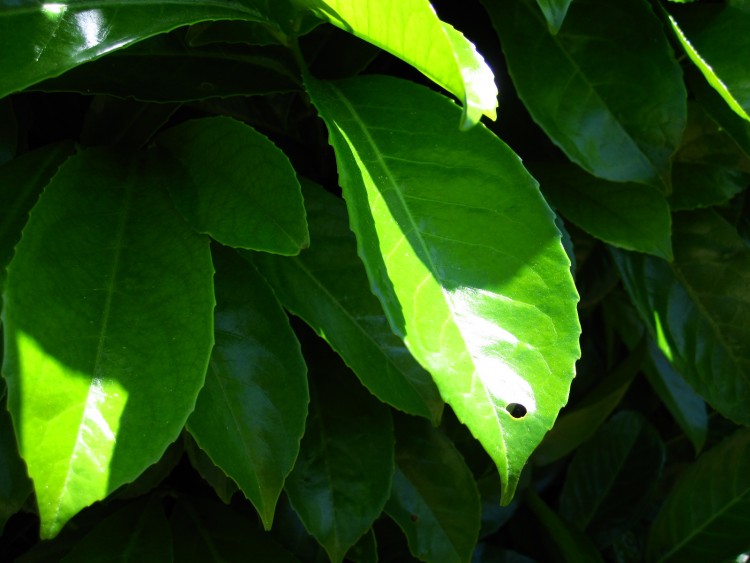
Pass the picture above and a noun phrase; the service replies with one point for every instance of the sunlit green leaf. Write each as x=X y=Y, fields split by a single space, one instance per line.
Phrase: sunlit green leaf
x=411 y=30
x=707 y=514
x=326 y=285
x=239 y=188
x=434 y=498
x=606 y=88
x=464 y=255
x=342 y=478
x=250 y=415
x=105 y=353
x=697 y=307
x=137 y=533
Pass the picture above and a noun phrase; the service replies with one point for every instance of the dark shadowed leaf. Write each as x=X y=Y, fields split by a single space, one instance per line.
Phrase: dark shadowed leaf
x=342 y=478
x=250 y=415
x=326 y=285
x=464 y=255
x=238 y=187
x=606 y=88
x=105 y=353
x=554 y=12
x=434 y=499
x=222 y=485
x=697 y=308
x=365 y=550
x=137 y=533
x=8 y=131
x=612 y=477
x=707 y=514
x=15 y=485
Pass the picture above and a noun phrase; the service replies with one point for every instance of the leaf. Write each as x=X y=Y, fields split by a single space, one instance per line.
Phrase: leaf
x=612 y=477
x=576 y=426
x=152 y=477
x=343 y=474
x=606 y=89
x=250 y=415
x=554 y=12
x=239 y=188
x=706 y=512
x=627 y=215
x=697 y=307
x=716 y=39
x=709 y=168
x=434 y=499
x=463 y=253
x=8 y=131
x=105 y=353
x=43 y=40
x=204 y=530
x=410 y=30
x=365 y=550
x=137 y=532
x=326 y=285
x=21 y=181
x=15 y=485
x=162 y=69
x=222 y=485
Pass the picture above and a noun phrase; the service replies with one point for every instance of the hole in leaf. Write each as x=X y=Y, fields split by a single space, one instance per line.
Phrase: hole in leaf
x=516 y=410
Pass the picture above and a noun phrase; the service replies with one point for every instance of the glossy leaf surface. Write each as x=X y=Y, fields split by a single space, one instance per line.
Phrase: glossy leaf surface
x=717 y=39
x=707 y=513
x=250 y=414
x=137 y=533
x=342 y=478
x=463 y=253
x=612 y=477
x=239 y=188
x=43 y=40
x=606 y=89
x=106 y=353
x=434 y=499
x=698 y=308
x=15 y=486
x=411 y=30
x=326 y=285
x=624 y=214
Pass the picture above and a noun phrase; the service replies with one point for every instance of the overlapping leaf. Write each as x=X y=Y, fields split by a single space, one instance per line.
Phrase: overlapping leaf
x=707 y=514
x=238 y=187
x=698 y=308
x=411 y=30
x=106 y=352
x=250 y=415
x=42 y=40
x=327 y=286
x=463 y=253
x=554 y=12
x=222 y=485
x=15 y=486
x=606 y=88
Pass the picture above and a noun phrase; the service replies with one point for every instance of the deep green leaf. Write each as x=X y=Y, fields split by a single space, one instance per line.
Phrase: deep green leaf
x=239 y=187
x=153 y=476
x=627 y=215
x=342 y=478
x=577 y=425
x=43 y=40
x=411 y=30
x=706 y=516
x=717 y=39
x=137 y=533
x=162 y=69
x=434 y=498
x=612 y=477
x=365 y=550
x=15 y=485
x=326 y=285
x=463 y=253
x=21 y=182
x=489 y=553
x=8 y=131
x=709 y=167
x=250 y=415
x=606 y=88
x=697 y=308
x=554 y=12
x=204 y=530
x=248 y=32
x=223 y=486
x=568 y=543
x=105 y=353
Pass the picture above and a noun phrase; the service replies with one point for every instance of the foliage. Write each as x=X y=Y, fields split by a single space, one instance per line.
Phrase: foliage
x=273 y=287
